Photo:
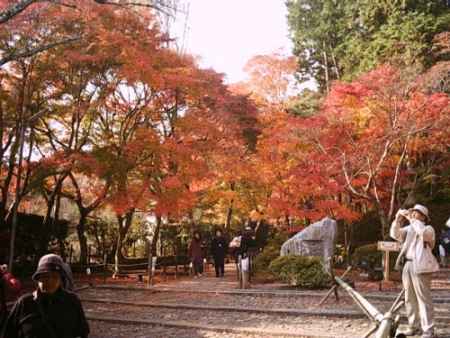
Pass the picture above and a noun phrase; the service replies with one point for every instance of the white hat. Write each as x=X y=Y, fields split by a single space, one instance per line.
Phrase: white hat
x=422 y=209
x=448 y=222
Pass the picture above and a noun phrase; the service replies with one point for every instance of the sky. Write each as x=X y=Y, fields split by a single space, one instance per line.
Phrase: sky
x=225 y=34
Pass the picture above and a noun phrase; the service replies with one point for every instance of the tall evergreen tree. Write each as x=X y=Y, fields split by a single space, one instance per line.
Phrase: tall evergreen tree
x=341 y=39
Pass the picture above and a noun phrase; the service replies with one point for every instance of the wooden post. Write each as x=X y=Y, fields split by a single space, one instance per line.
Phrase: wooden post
x=387 y=269
x=387 y=247
x=239 y=271
x=151 y=268
x=105 y=267
x=176 y=266
x=89 y=256
x=70 y=253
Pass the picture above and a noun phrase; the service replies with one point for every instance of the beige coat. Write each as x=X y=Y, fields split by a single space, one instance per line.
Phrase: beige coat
x=422 y=237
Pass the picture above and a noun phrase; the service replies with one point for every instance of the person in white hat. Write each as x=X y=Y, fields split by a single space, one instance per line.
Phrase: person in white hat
x=418 y=239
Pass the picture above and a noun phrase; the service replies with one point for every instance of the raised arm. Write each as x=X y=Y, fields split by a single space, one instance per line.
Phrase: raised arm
x=397 y=232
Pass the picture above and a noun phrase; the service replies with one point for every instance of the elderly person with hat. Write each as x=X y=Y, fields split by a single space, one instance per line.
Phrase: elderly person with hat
x=418 y=239
x=50 y=311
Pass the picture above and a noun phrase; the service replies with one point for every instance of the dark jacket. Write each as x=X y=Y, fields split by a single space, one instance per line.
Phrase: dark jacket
x=196 y=250
x=219 y=247
x=247 y=244
x=7 y=283
x=445 y=241
x=63 y=312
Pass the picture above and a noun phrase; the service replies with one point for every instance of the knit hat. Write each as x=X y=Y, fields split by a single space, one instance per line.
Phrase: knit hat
x=422 y=209
x=48 y=263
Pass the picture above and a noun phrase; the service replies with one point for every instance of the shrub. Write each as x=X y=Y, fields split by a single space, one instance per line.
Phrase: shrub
x=368 y=253
x=370 y=257
x=270 y=252
x=301 y=271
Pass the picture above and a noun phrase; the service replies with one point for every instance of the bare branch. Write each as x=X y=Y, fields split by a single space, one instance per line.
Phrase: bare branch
x=157 y=5
x=33 y=51
x=396 y=177
x=13 y=10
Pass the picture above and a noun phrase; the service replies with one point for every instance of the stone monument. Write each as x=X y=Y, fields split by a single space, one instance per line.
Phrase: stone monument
x=318 y=239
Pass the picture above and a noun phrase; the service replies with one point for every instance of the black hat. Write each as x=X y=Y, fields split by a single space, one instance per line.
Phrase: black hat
x=48 y=263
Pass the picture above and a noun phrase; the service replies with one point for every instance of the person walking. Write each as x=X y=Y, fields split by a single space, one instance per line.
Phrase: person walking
x=196 y=254
x=245 y=251
x=7 y=283
x=444 y=245
x=418 y=239
x=219 y=251
x=50 y=311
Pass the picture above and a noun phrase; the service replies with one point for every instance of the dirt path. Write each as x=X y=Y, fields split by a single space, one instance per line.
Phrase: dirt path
x=213 y=307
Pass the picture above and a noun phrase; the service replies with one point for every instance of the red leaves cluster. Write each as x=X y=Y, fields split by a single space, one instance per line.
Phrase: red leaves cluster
x=351 y=148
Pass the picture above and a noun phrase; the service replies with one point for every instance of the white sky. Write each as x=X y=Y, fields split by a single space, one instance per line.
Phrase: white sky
x=225 y=34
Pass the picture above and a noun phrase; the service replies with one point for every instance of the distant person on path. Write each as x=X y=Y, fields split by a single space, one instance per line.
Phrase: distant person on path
x=219 y=251
x=248 y=242
x=50 y=311
x=196 y=254
x=444 y=244
x=7 y=282
x=417 y=240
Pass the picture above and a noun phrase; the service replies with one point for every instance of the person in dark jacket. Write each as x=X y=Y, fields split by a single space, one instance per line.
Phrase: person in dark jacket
x=50 y=311
x=219 y=250
x=196 y=254
x=444 y=245
x=248 y=242
x=7 y=283
x=66 y=273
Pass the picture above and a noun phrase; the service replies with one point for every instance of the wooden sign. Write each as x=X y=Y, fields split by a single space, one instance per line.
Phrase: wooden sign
x=389 y=246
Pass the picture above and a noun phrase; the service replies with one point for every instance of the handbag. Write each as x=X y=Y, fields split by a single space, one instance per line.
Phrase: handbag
x=425 y=262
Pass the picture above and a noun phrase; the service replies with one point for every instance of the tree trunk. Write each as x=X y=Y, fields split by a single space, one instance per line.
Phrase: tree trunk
x=81 y=228
x=61 y=238
x=124 y=226
x=384 y=223
x=155 y=236
x=327 y=77
x=230 y=210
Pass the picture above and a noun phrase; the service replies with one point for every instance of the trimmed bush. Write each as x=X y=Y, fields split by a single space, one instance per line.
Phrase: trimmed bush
x=370 y=259
x=270 y=252
x=301 y=271
x=368 y=253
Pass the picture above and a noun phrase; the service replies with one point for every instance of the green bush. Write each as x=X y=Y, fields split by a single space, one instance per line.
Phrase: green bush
x=270 y=252
x=374 y=258
x=368 y=253
x=305 y=272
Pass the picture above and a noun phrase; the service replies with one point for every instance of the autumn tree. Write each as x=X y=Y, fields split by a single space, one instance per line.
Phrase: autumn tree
x=374 y=131
x=271 y=77
x=16 y=14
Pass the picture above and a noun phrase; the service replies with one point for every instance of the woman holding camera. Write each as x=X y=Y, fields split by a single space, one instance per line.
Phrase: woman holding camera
x=418 y=239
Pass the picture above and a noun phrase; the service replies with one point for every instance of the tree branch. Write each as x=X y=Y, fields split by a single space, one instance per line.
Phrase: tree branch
x=33 y=51
x=396 y=178
x=13 y=10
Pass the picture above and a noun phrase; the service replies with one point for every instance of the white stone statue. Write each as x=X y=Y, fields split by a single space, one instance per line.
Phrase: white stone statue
x=318 y=239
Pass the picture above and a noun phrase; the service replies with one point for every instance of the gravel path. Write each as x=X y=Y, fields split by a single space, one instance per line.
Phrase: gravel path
x=107 y=330
x=195 y=323
x=266 y=302
x=317 y=327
